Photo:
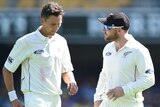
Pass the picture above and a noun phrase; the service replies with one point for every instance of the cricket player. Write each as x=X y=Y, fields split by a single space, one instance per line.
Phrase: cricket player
x=45 y=59
x=127 y=66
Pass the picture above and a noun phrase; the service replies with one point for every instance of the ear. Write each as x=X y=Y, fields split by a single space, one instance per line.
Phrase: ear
x=119 y=30
x=42 y=20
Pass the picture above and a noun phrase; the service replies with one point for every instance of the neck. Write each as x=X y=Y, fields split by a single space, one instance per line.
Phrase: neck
x=44 y=33
x=120 y=42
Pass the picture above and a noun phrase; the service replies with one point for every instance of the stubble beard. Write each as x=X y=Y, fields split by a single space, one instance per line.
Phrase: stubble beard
x=111 y=38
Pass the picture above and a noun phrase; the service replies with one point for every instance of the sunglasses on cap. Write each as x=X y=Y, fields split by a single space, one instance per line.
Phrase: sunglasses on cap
x=111 y=27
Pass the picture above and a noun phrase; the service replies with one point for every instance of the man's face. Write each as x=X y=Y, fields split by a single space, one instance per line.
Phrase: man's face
x=51 y=25
x=110 y=35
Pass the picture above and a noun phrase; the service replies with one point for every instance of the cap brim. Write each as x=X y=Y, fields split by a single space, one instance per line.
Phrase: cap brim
x=102 y=20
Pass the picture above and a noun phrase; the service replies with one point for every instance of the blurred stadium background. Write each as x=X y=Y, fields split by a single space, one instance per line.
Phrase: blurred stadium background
x=83 y=33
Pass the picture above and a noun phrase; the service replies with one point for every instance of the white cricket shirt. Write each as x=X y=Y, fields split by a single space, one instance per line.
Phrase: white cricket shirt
x=43 y=61
x=131 y=68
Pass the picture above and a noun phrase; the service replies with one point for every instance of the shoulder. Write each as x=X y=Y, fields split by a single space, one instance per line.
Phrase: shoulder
x=60 y=38
x=108 y=48
x=26 y=38
x=29 y=36
x=138 y=47
x=109 y=45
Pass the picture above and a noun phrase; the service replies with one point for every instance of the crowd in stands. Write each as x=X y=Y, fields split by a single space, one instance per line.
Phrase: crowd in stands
x=66 y=4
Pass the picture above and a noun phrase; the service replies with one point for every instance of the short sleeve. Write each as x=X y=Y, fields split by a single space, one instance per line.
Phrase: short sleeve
x=66 y=59
x=17 y=55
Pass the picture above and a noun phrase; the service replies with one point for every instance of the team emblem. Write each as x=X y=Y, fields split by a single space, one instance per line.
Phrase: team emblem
x=126 y=53
x=108 y=53
x=10 y=59
x=38 y=51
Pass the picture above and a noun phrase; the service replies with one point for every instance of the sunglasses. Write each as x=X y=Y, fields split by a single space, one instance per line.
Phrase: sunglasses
x=111 y=27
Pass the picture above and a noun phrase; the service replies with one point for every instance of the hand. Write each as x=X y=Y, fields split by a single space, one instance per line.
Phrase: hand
x=97 y=103
x=115 y=93
x=72 y=88
x=17 y=103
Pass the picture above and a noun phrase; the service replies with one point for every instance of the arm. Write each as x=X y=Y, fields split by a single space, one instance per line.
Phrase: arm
x=69 y=79
x=97 y=103
x=16 y=56
x=146 y=78
x=67 y=73
x=8 y=79
x=100 y=89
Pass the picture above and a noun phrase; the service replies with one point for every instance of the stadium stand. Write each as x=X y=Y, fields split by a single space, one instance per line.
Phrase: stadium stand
x=2 y=3
x=26 y=3
x=94 y=3
x=67 y=4
x=146 y=3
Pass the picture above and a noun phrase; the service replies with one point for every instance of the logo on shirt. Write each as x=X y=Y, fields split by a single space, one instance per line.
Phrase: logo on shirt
x=149 y=71
x=108 y=53
x=10 y=59
x=126 y=53
x=38 y=51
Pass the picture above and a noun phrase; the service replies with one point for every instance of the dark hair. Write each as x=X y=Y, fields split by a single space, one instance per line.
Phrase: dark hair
x=52 y=8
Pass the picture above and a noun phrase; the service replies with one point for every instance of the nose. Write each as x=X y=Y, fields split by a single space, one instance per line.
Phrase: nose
x=104 y=31
x=59 y=25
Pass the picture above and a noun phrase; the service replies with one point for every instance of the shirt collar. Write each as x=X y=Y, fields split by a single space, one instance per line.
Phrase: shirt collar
x=129 y=43
x=130 y=40
x=42 y=37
